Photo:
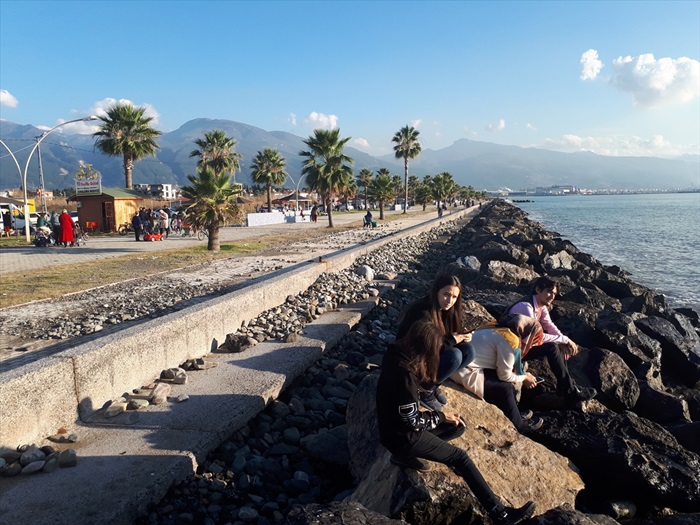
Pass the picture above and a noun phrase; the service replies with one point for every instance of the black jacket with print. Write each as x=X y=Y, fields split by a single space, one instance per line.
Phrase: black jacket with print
x=398 y=411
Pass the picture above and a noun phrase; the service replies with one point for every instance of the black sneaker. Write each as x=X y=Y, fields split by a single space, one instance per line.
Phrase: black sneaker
x=501 y=515
x=429 y=401
x=527 y=414
x=530 y=425
x=580 y=393
x=409 y=462
x=440 y=396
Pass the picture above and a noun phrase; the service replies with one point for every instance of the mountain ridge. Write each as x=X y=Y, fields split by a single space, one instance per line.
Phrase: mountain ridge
x=483 y=165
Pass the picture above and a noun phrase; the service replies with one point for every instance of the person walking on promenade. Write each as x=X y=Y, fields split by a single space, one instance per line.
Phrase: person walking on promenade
x=66 y=237
x=443 y=307
x=497 y=368
x=137 y=225
x=56 y=225
x=314 y=214
x=556 y=347
x=163 y=222
x=412 y=435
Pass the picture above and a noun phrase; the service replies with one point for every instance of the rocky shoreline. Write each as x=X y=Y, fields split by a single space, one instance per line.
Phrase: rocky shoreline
x=636 y=446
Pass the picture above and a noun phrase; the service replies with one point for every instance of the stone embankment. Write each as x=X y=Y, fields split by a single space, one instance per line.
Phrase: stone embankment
x=312 y=456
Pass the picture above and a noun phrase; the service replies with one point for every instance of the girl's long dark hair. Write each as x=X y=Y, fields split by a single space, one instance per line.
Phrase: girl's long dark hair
x=449 y=321
x=422 y=345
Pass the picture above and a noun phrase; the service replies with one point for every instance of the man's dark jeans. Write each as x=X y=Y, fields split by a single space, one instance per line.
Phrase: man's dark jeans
x=557 y=363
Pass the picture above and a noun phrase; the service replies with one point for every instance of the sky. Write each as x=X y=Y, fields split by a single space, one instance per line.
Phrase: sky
x=611 y=77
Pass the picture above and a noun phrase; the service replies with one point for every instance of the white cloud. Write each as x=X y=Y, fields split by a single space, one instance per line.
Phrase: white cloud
x=656 y=146
x=8 y=99
x=591 y=65
x=470 y=132
x=656 y=82
x=293 y=119
x=417 y=123
x=99 y=109
x=319 y=120
x=498 y=126
x=362 y=143
x=530 y=127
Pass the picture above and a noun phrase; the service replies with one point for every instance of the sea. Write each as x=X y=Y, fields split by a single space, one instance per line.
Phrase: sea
x=654 y=237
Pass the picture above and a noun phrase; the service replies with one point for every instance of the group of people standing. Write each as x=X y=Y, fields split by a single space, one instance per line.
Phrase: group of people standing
x=151 y=221
x=432 y=346
x=61 y=227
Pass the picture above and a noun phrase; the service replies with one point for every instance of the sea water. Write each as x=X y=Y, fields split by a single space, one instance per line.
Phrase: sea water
x=654 y=237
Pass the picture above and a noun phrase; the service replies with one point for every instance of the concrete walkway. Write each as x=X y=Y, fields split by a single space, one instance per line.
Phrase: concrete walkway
x=123 y=467
x=30 y=258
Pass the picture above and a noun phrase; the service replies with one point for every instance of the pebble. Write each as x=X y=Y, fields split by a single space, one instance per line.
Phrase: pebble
x=268 y=460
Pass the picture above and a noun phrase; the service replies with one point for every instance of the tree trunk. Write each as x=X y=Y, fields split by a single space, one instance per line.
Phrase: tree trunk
x=405 y=182
x=128 y=170
x=269 y=197
x=381 y=210
x=213 y=243
x=329 y=209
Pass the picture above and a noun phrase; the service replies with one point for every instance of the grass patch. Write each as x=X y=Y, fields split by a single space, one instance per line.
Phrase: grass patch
x=54 y=282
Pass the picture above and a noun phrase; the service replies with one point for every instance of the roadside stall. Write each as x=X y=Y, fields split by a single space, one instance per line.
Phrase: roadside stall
x=107 y=210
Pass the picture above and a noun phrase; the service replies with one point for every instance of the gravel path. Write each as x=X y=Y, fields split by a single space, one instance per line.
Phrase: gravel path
x=33 y=326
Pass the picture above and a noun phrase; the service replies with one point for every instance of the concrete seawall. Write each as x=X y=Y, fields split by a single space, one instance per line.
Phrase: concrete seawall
x=38 y=398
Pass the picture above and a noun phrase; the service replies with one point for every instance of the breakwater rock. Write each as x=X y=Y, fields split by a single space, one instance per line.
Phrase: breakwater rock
x=312 y=456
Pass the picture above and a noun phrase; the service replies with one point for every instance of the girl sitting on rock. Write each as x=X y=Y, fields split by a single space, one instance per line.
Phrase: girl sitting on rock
x=442 y=306
x=410 y=434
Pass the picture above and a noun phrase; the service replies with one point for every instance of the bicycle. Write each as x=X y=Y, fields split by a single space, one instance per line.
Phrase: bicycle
x=202 y=234
x=125 y=229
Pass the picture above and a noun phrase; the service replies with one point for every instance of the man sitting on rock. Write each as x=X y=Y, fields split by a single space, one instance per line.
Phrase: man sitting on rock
x=497 y=368
x=556 y=347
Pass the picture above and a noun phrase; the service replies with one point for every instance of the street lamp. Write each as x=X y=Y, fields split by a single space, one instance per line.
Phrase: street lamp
x=26 y=167
x=297 y=188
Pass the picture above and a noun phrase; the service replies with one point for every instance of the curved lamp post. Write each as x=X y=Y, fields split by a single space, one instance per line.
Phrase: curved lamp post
x=29 y=158
x=296 y=194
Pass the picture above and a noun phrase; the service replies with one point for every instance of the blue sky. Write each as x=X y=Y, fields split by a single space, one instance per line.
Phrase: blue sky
x=616 y=78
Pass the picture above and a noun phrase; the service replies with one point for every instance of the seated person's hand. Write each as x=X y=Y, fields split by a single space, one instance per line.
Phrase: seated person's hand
x=530 y=381
x=453 y=417
x=463 y=337
x=570 y=349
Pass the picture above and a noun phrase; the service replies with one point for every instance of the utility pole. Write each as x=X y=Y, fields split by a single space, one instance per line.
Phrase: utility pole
x=41 y=176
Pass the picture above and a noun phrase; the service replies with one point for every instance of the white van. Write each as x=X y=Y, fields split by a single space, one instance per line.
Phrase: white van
x=16 y=217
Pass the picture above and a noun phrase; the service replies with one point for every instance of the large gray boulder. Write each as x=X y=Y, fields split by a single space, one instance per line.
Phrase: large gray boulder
x=624 y=456
x=517 y=468
x=337 y=513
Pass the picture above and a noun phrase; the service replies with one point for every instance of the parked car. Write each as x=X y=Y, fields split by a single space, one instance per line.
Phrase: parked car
x=74 y=216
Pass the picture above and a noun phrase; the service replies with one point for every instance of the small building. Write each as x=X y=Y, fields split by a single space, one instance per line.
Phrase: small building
x=106 y=211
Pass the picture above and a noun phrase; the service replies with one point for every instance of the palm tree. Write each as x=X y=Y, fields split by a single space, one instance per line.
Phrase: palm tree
x=398 y=187
x=363 y=180
x=407 y=147
x=268 y=168
x=326 y=167
x=443 y=186
x=216 y=150
x=213 y=202
x=423 y=194
x=413 y=183
x=126 y=132
x=382 y=189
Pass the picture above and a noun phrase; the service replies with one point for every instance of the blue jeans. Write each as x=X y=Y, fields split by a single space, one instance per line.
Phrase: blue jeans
x=454 y=359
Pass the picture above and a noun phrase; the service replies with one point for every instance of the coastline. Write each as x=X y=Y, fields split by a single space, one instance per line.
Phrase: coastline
x=634 y=400
x=651 y=236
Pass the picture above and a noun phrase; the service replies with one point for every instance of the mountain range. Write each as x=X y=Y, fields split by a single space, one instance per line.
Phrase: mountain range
x=482 y=165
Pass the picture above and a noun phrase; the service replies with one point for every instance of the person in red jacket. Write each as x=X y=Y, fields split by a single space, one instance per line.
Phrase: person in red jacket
x=66 y=237
x=411 y=434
